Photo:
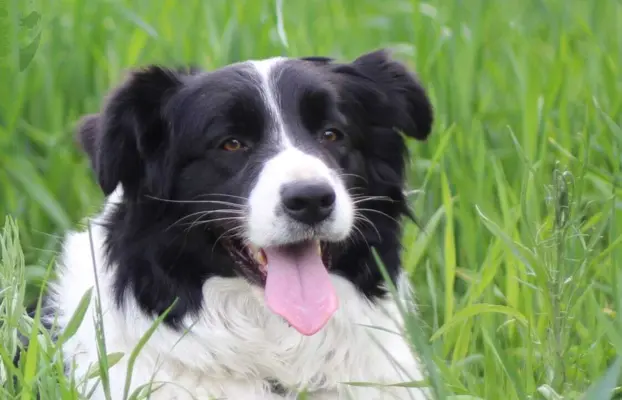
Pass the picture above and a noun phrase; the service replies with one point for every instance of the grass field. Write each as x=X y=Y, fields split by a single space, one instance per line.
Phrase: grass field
x=517 y=260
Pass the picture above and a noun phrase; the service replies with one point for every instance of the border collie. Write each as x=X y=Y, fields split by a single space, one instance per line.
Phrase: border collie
x=242 y=205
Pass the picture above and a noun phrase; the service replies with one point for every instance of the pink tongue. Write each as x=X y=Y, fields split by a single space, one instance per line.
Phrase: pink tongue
x=298 y=286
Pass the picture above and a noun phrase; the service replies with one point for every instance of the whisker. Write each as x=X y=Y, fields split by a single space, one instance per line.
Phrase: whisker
x=362 y=199
x=207 y=221
x=378 y=212
x=204 y=213
x=353 y=189
x=226 y=203
x=199 y=223
x=207 y=212
x=360 y=232
x=363 y=218
x=223 y=195
x=232 y=231
x=353 y=175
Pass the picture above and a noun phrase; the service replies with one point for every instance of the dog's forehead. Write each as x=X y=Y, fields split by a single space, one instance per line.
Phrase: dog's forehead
x=276 y=79
x=287 y=75
x=232 y=77
x=277 y=99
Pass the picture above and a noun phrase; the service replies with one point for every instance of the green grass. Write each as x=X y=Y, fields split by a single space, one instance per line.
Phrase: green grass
x=517 y=264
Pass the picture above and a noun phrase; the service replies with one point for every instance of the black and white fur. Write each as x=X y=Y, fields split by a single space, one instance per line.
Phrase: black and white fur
x=177 y=202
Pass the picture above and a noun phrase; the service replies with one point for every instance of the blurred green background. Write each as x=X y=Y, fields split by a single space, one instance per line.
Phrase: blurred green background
x=516 y=258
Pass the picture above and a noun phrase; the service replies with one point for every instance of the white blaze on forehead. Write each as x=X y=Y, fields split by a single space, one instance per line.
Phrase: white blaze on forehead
x=298 y=285
x=268 y=71
x=267 y=224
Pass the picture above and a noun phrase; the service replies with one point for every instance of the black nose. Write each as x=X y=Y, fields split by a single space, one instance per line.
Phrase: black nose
x=309 y=202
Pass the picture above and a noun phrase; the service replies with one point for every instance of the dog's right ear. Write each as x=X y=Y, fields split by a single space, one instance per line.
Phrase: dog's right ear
x=126 y=140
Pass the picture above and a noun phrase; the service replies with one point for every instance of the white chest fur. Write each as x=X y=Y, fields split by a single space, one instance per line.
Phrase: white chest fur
x=235 y=344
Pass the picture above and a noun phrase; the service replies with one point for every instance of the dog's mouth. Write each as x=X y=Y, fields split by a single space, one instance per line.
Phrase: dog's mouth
x=296 y=280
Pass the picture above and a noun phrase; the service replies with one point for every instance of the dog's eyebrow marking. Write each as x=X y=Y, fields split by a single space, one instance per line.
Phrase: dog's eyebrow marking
x=268 y=74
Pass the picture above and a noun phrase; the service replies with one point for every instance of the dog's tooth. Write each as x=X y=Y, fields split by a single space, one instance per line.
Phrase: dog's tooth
x=260 y=257
x=319 y=248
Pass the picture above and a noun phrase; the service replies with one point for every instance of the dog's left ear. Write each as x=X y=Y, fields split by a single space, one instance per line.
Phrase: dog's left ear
x=86 y=135
x=398 y=93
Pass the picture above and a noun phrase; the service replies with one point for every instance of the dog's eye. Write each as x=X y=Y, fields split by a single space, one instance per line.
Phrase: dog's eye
x=331 y=135
x=232 y=145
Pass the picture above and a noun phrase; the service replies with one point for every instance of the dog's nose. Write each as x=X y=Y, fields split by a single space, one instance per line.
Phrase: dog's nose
x=309 y=202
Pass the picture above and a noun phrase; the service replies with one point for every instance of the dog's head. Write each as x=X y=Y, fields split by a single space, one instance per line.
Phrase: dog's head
x=293 y=166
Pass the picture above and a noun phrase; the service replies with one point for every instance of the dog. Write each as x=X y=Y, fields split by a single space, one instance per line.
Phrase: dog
x=242 y=207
